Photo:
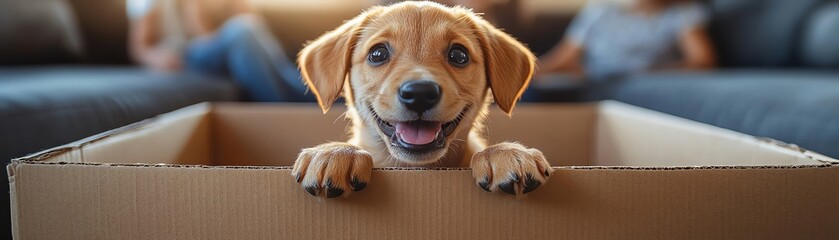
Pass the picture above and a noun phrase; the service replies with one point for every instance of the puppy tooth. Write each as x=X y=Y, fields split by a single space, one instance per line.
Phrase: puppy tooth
x=334 y=192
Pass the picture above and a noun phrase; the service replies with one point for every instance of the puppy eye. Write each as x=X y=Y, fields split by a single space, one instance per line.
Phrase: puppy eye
x=379 y=55
x=458 y=56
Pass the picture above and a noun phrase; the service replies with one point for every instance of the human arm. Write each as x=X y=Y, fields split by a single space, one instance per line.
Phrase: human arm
x=564 y=57
x=697 y=49
x=143 y=43
x=694 y=44
x=567 y=55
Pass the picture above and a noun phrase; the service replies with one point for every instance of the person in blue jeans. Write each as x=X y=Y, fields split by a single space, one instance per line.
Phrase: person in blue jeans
x=175 y=35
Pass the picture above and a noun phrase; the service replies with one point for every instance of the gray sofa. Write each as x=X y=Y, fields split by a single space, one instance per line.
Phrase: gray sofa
x=779 y=75
x=64 y=75
x=46 y=106
x=794 y=106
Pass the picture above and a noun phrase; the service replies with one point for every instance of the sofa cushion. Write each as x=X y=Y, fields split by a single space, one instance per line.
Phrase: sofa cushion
x=104 y=29
x=38 y=31
x=44 y=107
x=758 y=33
x=820 y=43
x=792 y=106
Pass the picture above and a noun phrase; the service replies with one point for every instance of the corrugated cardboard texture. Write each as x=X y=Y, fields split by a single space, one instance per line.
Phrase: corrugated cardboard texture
x=774 y=192
x=111 y=202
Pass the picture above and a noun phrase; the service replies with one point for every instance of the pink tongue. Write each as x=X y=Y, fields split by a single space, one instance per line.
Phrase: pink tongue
x=418 y=133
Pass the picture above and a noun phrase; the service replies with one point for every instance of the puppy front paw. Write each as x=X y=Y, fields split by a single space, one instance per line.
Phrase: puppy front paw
x=511 y=168
x=333 y=169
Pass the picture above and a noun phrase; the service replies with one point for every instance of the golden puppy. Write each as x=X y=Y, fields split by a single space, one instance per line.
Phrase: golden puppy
x=417 y=78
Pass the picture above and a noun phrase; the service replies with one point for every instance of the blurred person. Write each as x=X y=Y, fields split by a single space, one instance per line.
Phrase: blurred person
x=215 y=37
x=608 y=40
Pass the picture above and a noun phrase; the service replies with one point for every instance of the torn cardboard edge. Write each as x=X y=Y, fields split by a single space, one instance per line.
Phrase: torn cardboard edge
x=810 y=154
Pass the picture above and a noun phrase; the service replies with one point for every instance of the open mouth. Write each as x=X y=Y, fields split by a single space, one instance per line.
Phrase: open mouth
x=418 y=135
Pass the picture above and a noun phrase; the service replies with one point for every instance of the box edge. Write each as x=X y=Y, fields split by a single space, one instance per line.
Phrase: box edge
x=79 y=144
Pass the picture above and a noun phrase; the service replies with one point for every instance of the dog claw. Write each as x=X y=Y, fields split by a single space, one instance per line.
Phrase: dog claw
x=334 y=192
x=357 y=185
x=485 y=184
x=530 y=184
x=508 y=187
x=313 y=190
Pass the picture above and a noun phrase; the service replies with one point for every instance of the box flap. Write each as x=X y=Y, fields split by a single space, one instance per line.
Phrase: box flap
x=179 y=137
x=632 y=136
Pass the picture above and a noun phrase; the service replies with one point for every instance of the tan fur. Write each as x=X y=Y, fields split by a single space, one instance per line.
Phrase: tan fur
x=420 y=35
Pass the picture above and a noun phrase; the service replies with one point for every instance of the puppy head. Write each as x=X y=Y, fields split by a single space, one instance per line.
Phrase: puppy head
x=418 y=73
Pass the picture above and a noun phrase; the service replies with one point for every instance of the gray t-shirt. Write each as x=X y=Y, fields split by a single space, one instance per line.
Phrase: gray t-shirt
x=618 y=42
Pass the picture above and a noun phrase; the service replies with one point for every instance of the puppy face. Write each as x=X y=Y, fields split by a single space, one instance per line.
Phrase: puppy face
x=417 y=73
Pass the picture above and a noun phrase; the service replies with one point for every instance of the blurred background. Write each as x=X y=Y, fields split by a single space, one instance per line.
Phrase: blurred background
x=73 y=68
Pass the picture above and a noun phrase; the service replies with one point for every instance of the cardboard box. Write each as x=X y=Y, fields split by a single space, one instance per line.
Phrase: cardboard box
x=220 y=171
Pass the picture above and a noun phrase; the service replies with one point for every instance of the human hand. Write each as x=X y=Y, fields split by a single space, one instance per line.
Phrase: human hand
x=164 y=60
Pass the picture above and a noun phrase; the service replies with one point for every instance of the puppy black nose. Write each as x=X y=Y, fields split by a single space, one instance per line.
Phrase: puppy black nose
x=419 y=95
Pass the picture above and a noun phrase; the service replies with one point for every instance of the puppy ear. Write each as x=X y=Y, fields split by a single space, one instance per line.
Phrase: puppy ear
x=509 y=66
x=325 y=62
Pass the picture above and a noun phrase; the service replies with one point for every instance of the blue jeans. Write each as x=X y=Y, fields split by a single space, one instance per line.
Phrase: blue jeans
x=245 y=50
